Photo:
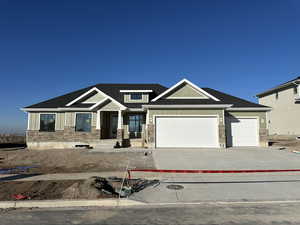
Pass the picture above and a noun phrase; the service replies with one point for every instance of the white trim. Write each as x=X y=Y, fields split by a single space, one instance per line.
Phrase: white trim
x=133 y=91
x=196 y=115
x=147 y=117
x=53 y=109
x=186 y=106
x=246 y=117
x=98 y=103
x=98 y=121
x=120 y=120
x=73 y=109
x=81 y=96
x=135 y=109
x=82 y=113
x=188 y=97
x=249 y=109
x=188 y=82
x=28 y=120
x=96 y=89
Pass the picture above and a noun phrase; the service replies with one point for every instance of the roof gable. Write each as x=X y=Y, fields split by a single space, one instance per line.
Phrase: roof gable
x=187 y=90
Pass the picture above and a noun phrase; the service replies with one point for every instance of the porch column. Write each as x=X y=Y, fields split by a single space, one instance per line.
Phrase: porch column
x=120 y=127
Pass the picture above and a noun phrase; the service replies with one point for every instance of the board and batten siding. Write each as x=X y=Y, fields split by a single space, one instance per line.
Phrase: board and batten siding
x=95 y=98
x=62 y=119
x=260 y=115
x=186 y=91
x=34 y=120
x=110 y=106
x=33 y=123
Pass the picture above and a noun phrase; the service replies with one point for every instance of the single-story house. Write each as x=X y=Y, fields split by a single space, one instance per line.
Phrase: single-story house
x=284 y=99
x=146 y=115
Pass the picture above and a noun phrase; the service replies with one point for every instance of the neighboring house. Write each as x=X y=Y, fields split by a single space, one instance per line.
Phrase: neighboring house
x=284 y=100
x=146 y=115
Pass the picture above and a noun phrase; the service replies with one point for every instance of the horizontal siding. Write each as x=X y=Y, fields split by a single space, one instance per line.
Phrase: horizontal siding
x=145 y=98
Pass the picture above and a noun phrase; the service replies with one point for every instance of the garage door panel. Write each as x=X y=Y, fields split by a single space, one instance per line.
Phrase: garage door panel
x=242 y=131
x=187 y=132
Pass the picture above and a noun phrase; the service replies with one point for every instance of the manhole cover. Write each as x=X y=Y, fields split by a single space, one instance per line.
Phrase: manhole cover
x=175 y=187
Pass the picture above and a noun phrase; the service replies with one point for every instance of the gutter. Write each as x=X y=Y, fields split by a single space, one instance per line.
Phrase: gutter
x=222 y=106
x=262 y=109
x=295 y=82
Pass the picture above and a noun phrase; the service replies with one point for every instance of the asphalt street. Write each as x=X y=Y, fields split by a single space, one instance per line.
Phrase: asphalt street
x=208 y=214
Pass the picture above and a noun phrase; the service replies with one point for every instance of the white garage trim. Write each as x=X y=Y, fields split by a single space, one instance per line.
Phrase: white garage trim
x=245 y=117
x=188 y=116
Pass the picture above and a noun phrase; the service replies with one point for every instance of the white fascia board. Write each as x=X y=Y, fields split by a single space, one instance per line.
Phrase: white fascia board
x=102 y=93
x=188 y=82
x=271 y=91
x=136 y=91
x=136 y=109
x=53 y=109
x=187 y=106
x=81 y=96
x=249 y=109
x=40 y=109
x=74 y=109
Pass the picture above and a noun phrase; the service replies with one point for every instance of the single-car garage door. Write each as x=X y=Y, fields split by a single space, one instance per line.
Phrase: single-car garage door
x=186 y=132
x=241 y=131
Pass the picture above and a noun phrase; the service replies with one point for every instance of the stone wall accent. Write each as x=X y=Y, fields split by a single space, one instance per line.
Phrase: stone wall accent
x=263 y=137
x=151 y=135
x=120 y=135
x=222 y=135
x=67 y=135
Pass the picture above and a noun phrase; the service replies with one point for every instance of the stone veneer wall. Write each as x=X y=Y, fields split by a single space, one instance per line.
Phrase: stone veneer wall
x=67 y=135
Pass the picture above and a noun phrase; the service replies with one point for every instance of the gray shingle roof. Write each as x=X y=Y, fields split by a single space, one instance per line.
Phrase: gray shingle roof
x=113 y=90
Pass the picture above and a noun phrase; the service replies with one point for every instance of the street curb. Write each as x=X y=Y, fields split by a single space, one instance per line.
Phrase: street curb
x=68 y=203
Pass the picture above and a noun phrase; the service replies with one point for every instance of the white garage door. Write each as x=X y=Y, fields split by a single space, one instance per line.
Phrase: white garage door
x=242 y=131
x=186 y=132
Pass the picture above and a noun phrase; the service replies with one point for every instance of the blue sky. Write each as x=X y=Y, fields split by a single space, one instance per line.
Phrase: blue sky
x=49 y=48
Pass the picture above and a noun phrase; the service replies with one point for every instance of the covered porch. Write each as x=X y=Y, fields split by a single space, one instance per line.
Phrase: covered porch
x=125 y=127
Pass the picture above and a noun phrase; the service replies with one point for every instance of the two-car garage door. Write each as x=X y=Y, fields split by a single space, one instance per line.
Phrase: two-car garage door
x=189 y=132
x=202 y=131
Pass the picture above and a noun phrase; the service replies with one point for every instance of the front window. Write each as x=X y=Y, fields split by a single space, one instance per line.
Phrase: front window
x=135 y=125
x=83 y=122
x=47 y=122
x=136 y=96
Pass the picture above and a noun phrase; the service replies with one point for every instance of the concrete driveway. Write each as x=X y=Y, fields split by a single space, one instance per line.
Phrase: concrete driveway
x=224 y=187
x=224 y=159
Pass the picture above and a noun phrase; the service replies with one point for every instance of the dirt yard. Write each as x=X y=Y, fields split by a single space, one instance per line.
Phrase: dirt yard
x=70 y=160
x=289 y=143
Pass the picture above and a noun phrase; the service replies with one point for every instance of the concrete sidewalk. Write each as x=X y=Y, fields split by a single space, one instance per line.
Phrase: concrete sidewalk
x=223 y=187
x=58 y=176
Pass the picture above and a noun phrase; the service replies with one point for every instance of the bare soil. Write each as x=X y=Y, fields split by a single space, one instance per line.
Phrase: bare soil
x=64 y=189
x=289 y=143
x=51 y=190
x=71 y=160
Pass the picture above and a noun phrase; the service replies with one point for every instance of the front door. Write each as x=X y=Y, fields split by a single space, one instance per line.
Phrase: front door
x=135 y=125
x=113 y=126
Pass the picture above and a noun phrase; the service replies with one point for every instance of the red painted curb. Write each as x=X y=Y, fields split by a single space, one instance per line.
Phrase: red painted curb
x=210 y=171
